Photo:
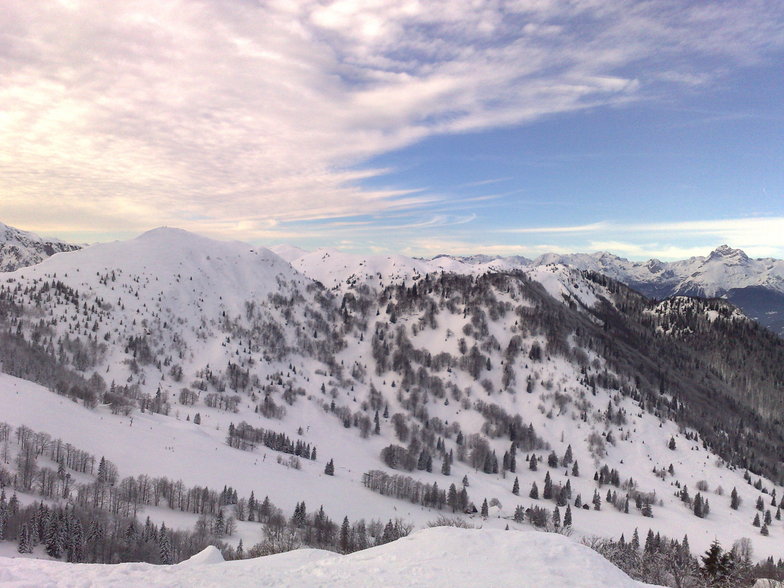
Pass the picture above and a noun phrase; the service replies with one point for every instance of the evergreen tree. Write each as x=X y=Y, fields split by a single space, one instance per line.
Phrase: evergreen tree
x=534 y=493
x=597 y=500
x=446 y=466
x=451 y=498
x=568 y=517
x=53 y=538
x=3 y=514
x=516 y=487
x=734 y=499
x=330 y=468
x=576 y=470
x=556 y=518
x=567 y=458
x=485 y=511
x=756 y=522
x=164 y=545
x=240 y=552
x=548 y=487
x=345 y=536
x=635 y=544
x=532 y=465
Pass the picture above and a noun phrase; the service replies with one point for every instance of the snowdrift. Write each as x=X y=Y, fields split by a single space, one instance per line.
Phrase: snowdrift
x=443 y=556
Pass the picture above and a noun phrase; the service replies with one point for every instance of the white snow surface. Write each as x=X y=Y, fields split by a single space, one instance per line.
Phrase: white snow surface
x=439 y=557
x=723 y=269
x=21 y=249
x=339 y=271
x=175 y=286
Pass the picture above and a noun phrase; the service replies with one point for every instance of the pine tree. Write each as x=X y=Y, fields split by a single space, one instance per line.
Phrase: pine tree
x=345 y=536
x=567 y=458
x=697 y=508
x=734 y=499
x=568 y=517
x=446 y=467
x=53 y=539
x=485 y=511
x=532 y=465
x=635 y=544
x=164 y=545
x=3 y=514
x=760 y=504
x=597 y=500
x=764 y=530
x=576 y=470
x=516 y=487
x=756 y=522
x=330 y=468
x=547 y=494
x=556 y=518
x=534 y=493
x=671 y=444
x=25 y=540
x=240 y=552
x=451 y=498
x=713 y=566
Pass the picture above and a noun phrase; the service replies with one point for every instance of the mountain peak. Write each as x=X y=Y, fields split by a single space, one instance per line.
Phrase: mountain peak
x=727 y=252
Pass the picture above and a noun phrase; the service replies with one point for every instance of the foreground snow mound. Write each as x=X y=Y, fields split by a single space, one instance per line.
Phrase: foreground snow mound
x=208 y=555
x=437 y=557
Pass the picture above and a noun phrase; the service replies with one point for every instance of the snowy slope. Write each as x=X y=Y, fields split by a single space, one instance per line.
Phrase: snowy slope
x=723 y=269
x=21 y=248
x=288 y=252
x=340 y=271
x=440 y=557
x=204 y=304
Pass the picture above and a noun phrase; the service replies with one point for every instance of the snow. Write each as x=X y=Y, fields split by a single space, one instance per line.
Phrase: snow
x=21 y=248
x=209 y=555
x=438 y=557
x=197 y=279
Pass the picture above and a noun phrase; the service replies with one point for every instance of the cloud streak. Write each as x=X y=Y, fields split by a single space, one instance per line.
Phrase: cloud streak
x=238 y=118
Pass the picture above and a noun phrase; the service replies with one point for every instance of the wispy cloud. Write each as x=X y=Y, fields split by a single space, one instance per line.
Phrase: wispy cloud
x=758 y=236
x=231 y=116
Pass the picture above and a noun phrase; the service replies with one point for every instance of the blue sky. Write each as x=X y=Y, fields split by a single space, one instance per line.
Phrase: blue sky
x=649 y=129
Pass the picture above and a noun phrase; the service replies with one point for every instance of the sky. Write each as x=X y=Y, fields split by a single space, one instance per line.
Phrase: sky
x=643 y=128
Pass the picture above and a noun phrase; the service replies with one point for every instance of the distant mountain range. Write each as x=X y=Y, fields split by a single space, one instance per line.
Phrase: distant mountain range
x=756 y=286
x=21 y=249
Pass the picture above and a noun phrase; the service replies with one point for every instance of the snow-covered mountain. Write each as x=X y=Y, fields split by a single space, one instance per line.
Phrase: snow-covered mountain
x=340 y=271
x=756 y=286
x=21 y=249
x=723 y=270
x=424 y=386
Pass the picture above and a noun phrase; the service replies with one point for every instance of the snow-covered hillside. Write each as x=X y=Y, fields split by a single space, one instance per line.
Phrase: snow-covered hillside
x=21 y=249
x=714 y=275
x=486 y=382
x=754 y=285
x=440 y=557
x=340 y=271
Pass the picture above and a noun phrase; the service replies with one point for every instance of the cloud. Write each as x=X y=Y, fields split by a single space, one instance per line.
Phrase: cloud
x=758 y=236
x=228 y=115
